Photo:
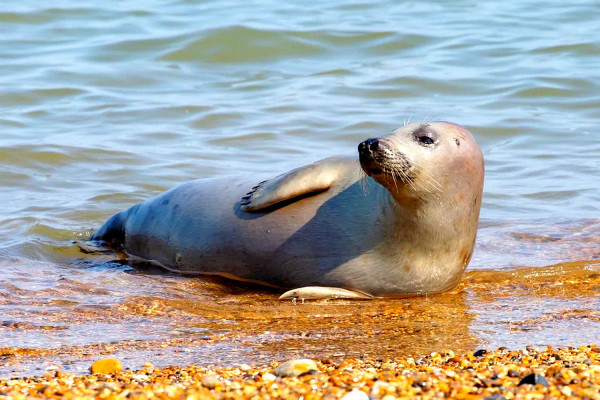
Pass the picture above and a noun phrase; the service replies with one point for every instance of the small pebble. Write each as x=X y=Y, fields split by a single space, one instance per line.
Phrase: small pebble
x=380 y=388
x=480 y=352
x=106 y=366
x=355 y=394
x=210 y=381
x=534 y=379
x=268 y=377
x=512 y=373
x=496 y=396
x=566 y=391
x=295 y=367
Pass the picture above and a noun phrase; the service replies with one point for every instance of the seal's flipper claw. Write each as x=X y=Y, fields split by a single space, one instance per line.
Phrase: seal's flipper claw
x=324 y=293
x=309 y=179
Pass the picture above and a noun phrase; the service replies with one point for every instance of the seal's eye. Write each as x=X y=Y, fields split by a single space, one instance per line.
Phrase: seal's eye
x=426 y=140
x=425 y=136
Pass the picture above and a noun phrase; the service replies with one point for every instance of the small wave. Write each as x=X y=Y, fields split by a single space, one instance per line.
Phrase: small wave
x=588 y=49
x=240 y=44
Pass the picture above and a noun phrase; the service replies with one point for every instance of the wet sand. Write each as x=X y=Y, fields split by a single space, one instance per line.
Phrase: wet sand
x=213 y=322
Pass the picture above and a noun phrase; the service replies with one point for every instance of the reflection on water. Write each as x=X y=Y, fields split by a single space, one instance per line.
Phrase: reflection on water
x=538 y=242
x=82 y=311
x=105 y=106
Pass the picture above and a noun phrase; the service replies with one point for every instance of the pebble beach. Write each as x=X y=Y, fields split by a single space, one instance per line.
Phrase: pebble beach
x=569 y=373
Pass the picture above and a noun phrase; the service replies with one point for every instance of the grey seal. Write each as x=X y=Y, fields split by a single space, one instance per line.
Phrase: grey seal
x=399 y=219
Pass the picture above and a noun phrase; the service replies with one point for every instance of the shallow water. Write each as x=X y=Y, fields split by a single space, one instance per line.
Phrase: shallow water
x=104 y=106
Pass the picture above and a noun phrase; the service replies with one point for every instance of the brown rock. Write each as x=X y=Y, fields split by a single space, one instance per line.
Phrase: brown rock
x=106 y=366
x=295 y=367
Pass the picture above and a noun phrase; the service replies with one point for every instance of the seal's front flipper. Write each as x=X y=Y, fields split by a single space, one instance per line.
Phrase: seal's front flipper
x=309 y=179
x=324 y=293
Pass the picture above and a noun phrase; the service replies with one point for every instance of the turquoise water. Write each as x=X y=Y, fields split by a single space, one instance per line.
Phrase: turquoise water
x=105 y=105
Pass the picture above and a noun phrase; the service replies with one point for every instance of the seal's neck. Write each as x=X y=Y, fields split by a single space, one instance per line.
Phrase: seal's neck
x=434 y=226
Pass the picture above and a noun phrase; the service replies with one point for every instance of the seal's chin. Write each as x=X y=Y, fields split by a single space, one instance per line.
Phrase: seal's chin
x=369 y=165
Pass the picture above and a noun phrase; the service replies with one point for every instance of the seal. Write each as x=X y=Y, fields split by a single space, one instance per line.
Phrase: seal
x=399 y=220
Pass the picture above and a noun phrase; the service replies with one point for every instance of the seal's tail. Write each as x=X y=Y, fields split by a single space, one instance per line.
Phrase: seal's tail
x=113 y=230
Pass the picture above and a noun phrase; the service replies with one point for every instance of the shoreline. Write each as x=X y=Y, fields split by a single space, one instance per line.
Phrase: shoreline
x=528 y=373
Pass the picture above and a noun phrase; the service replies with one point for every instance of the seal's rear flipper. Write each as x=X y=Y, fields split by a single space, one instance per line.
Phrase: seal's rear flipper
x=112 y=232
x=301 y=181
x=324 y=293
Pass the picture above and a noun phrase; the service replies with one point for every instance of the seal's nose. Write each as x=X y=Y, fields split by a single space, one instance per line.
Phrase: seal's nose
x=368 y=146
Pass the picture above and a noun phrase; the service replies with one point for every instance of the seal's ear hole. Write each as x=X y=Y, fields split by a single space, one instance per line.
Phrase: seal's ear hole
x=457 y=141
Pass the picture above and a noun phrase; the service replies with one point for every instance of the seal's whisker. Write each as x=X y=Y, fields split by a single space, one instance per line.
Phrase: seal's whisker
x=431 y=181
x=429 y=178
x=395 y=180
x=364 y=183
x=430 y=184
x=414 y=184
x=421 y=186
x=363 y=178
x=407 y=178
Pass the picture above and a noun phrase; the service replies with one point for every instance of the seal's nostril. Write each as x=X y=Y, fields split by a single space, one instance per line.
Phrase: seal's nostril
x=368 y=146
x=373 y=144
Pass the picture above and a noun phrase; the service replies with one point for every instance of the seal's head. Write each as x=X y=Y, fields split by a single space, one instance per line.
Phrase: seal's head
x=426 y=161
x=433 y=173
